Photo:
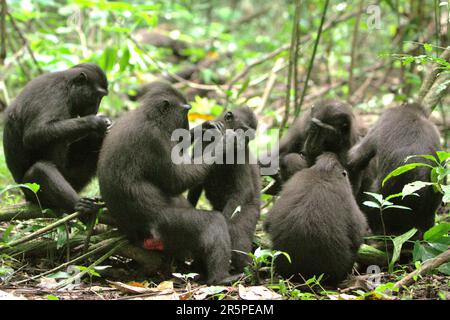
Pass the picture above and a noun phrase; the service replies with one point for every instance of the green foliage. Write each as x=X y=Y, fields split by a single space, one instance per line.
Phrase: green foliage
x=263 y=260
x=435 y=241
x=440 y=170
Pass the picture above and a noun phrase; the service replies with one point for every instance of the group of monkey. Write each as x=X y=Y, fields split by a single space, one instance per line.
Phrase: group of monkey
x=54 y=137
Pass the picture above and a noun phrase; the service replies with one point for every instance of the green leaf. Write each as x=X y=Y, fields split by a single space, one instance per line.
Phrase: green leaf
x=124 y=59
x=372 y=204
x=428 y=47
x=33 y=187
x=288 y=257
x=405 y=168
x=446 y=190
x=392 y=196
x=424 y=156
x=52 y=297
x=443 y=155
x=436 y=233
x=411 y=188
x=398 y=243
x=397 y=207
x=5 y=237
x=445 y=268
x=5 y=272
x=377 y=196
x=108 y=58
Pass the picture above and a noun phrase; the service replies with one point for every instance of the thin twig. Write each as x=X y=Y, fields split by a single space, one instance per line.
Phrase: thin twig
x=269 y=86
x=99 y=247
x=93 y=265
x=427 y=267
x=24 y=41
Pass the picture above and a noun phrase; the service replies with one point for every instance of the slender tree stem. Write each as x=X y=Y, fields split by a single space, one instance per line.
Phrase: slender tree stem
x=290 y=67
x=3 y=32
x=311 y=63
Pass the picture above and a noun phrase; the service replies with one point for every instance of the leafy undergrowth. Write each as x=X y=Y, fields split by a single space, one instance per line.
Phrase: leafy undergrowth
x=428 y=287
x=121 y=278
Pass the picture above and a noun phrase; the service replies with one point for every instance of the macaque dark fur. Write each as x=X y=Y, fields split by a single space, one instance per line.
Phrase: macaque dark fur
x=317 y=222
x=229 y=186
x=52 y=136
x=400 y=132
x=142 y=187
x=329 y=126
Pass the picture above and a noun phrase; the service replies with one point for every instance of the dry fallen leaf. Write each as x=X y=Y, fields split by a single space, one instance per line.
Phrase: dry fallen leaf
x=165 y=285
x=170 y=296
x=343 y=296
x=8 y=296
x=202 y=293
x=257 y=293
x=126 y=288
x=47 y=283
x=163 y=288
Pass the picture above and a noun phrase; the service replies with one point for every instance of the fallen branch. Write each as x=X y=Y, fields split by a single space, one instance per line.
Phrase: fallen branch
x=40 y=232
x=149 y=260
x=23 y=211
x=427 y=267
x=95 y=249
x=93 y=265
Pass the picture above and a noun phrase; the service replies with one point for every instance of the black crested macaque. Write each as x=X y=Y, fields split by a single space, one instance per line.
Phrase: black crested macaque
x=317 y=222
x=400 y=132
x=161 y=40
x=329 y=126
x=142 y=186
x=52 y=136
x=234 y=189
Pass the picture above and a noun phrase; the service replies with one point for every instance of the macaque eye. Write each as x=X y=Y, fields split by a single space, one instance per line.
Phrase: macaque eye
x=229 y=116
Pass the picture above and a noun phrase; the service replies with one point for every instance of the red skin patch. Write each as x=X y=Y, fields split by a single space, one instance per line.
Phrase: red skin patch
x=153 y=244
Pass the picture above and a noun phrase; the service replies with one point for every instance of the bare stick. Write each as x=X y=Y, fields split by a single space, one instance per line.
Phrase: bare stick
x=424 y=269
x=269 y=86
x=93 y=265
x=99 y=247
x=40 y=232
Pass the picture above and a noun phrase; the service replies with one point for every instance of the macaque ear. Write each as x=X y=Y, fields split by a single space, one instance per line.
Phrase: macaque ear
x=81 y=78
